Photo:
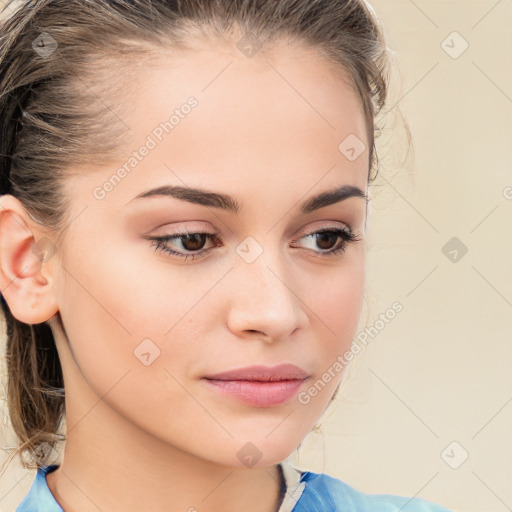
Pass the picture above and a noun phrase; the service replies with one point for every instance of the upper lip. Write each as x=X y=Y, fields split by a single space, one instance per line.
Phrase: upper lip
x=262 y=373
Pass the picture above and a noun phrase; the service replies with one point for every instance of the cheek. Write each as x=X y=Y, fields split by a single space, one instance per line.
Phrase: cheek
x=337 y=298
x=121 y=304
x=337 y=305
x=108 y=308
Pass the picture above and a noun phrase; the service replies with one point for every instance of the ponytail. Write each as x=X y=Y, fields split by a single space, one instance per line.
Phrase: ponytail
x=34 y=386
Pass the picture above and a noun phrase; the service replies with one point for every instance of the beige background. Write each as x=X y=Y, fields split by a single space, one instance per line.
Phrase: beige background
x=441 y=370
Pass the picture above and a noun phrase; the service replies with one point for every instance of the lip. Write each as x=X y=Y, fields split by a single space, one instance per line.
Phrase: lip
x=259 y=386
x=262 y=373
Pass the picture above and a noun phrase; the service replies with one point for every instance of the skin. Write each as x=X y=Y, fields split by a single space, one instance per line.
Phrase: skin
x=156 y=437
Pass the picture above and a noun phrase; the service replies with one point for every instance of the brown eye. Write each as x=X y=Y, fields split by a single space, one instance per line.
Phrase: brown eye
x=185 y=243
x=194 y=242
x=330 y=241
x=327 y=239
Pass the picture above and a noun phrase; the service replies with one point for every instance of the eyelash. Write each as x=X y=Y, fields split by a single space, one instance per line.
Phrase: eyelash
x=160 y=242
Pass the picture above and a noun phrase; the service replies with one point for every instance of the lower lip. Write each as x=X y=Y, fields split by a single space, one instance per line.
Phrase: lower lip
x=256 y=393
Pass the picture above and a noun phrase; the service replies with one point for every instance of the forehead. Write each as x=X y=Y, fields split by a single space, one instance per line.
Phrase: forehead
x=276 y=116
x=283 y=85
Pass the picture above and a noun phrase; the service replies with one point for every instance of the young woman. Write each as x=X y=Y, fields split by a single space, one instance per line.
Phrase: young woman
x=182 y=245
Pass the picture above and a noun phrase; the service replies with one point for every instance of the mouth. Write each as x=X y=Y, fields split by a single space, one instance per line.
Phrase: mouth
x=259 y=386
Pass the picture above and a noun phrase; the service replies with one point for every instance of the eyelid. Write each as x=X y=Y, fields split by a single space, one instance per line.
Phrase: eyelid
x=199 y=228
x=184 y=227
x=322 y=227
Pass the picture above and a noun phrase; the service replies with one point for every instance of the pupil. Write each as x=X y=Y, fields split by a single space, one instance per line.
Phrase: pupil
x=321 y=239
x=197 y=242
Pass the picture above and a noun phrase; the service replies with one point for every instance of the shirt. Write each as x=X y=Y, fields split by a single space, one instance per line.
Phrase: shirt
x=304 y=491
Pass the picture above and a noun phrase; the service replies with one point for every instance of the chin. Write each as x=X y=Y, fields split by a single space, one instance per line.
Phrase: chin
x=261 y=453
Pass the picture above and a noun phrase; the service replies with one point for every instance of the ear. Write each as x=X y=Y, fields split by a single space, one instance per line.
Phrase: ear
x=27 y=257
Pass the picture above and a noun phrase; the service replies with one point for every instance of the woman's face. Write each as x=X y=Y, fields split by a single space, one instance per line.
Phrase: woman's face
x=146 y=327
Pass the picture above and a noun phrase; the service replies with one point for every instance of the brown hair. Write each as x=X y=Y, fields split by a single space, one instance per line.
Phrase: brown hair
x=59 y=57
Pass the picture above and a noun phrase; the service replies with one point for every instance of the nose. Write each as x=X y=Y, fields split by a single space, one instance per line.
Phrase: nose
x=264 y=300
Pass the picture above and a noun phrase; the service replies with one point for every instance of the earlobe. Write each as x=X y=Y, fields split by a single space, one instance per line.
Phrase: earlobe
x=25 y=279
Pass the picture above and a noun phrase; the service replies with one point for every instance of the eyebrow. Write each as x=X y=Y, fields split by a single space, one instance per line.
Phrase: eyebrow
x=229 y=203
